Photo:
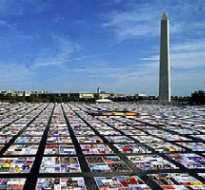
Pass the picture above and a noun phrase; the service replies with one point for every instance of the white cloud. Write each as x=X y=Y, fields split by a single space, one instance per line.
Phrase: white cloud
x=137 y=21
x=184 y=83
x=65 y=48
x=5 y=24
x=143 y=19
x=129 y=79
x=187 y=66
x=116 y=72
x=187 y=55
x=20 y=7
x=14 y=31
x=151 y=58
x=14 y=76
x=189 y=46
x=131 y=24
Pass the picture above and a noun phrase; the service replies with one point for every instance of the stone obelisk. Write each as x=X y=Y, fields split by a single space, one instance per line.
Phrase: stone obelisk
x=164 y=73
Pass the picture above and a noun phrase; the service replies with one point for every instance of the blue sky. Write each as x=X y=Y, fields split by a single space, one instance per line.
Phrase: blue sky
x=76 y=45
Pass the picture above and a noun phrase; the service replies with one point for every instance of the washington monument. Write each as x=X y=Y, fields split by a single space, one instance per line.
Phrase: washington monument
x=164 y=73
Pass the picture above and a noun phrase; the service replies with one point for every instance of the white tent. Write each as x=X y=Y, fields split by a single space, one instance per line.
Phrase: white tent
x=103 y=101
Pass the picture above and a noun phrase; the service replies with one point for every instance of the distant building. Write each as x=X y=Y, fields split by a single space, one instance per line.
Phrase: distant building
x=141 y=96
x=21 y=92
x=87 y=95
x=104 y=95
x=119 y=95
x=78 y=96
